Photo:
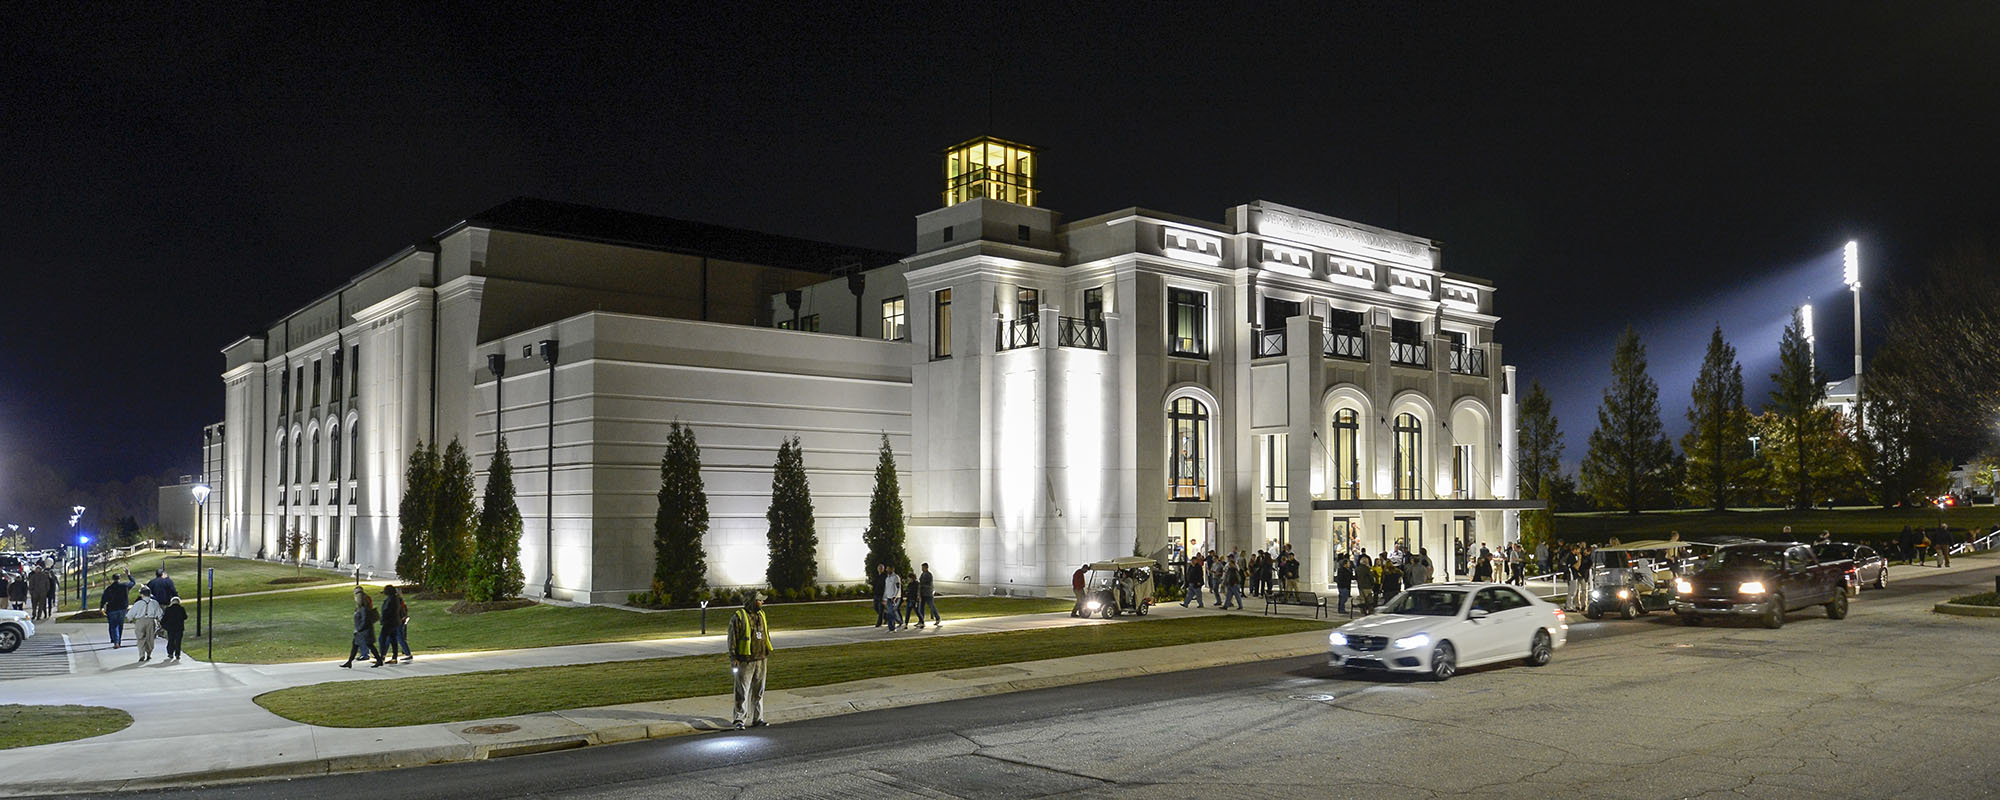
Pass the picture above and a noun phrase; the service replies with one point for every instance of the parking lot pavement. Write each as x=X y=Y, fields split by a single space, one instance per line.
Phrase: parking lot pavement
x=42 y=655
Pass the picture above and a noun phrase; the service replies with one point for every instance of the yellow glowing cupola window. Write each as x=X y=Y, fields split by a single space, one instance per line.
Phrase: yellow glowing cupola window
x=992 y=168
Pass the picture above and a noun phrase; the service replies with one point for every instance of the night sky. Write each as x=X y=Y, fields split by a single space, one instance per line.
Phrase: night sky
x=178 y=176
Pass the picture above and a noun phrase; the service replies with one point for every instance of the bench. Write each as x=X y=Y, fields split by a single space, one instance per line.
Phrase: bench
x=1310 y=599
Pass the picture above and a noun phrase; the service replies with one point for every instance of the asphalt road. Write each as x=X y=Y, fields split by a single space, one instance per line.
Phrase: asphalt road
x=1891 y=702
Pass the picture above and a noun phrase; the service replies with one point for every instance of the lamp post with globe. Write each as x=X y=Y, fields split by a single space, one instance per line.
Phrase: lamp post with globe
x=200 y=492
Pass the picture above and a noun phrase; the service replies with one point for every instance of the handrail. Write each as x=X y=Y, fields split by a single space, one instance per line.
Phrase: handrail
x=1409 y=353
x=1269 y=342
x=1019 y=333
x=1080 y=332
x=1344 y=344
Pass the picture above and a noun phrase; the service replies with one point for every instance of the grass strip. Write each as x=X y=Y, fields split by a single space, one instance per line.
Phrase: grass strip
x=232 y=575
x=27 y=726
x=315 y=625
x=501 y=693
x=1981 y=599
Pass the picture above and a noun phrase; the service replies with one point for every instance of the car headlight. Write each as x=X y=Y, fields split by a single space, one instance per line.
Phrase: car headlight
x=1624 y=594
x=1683 y=586
x=1412 y=642
x=1597 y=593
x=1337 y=639
x=1093 y=605
x=1751 y=587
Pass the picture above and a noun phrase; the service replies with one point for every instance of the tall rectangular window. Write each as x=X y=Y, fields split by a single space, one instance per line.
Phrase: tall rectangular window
x=299 y=397
x=1409 y=457
x=895 y=319
x=1461 y=471
x=941 y=324
x=354 y=371
x=284 y=391
x=1346 y=454
x=1187 y=321
x=1027 y=303
x=1093 y=304
x=1272 y=467
x=319 y=385
x=1187 y=418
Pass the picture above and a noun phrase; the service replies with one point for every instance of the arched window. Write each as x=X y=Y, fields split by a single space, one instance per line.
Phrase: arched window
x=298 y=459
x=353 y=450
x=1187 y=424
x=1346 y=455
x=333 y=450
x=284 y=462
x=315 y=451
x=1409 y=456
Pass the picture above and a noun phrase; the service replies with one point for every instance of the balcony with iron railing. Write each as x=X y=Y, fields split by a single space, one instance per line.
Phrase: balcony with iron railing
x=1350 y=344
x=1019 y=333
x=1409 y=353
x=1085 y=332
x=1468 y=361
x=1268 y=342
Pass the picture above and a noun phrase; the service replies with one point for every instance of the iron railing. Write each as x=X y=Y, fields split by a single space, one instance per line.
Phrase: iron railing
x=1018 y=333
x=1084 y=332
x=1468 y=361
x=1344 y=344
x=1269 y=342
x=1409 y=353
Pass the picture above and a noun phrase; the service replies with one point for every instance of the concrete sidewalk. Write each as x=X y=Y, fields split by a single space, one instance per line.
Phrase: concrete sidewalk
x=221 y=734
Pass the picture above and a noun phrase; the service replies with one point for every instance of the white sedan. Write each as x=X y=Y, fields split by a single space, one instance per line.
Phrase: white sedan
x=15 y=628
x=1438 y=628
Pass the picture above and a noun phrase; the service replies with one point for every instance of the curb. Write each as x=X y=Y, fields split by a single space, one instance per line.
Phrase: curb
x=1962 y=610
x=630 y=732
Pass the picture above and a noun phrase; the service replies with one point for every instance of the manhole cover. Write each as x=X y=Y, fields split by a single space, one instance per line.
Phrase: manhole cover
x=1313 y=698
x=492 y=729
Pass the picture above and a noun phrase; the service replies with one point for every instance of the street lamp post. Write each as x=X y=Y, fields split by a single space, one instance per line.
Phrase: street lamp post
x=1851 y=275
x=549 y=467
x=200 y=492
x=82 y=559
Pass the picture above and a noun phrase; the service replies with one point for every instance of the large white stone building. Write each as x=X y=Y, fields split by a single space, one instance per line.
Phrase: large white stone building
x=1056 y=391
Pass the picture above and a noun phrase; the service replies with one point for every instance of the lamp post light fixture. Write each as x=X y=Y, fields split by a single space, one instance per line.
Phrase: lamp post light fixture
x=1850 y=274
x=200 y=492
x=82 y=559
x=548 y=351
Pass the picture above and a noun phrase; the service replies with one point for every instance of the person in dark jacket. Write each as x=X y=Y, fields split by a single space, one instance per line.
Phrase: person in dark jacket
x=113 y=602
x=1343 y=579
x=927 y=598
x=876 y=581
x=17 y=593
x=364 y=629
x=1192 y=581
x=395 y=627
x=162 y=586
x=1392 y=579
x=174 y=622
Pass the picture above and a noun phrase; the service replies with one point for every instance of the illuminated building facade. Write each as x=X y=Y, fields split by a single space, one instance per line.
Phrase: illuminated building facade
x=1056 y=392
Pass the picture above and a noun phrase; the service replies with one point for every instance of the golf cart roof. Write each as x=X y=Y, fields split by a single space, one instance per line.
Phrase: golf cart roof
x=1125 y=562
x=1647 y=544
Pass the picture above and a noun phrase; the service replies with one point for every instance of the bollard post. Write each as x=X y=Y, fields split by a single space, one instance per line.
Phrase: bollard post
x=209 y=609
x=704 y=611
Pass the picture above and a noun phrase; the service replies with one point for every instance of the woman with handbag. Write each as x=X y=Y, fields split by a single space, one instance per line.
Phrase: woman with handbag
x=364 y=629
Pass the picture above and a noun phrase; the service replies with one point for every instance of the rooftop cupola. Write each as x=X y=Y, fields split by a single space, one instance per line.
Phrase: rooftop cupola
x=992 y=168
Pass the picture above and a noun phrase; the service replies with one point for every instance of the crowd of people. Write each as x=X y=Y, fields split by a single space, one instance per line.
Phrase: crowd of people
x=33 y=588
x=1229 y=577
x=902 y=600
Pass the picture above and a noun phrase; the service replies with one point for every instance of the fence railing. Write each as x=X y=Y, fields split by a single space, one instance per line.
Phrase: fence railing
x=1408 y=353
x=1468 y=360
x=1269 y=342
x=1344 y=344
x=1080 y=332
x=1018 y=333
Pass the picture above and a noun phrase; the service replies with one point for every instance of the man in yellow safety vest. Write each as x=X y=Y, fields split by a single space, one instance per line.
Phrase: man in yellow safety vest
x=749 y=646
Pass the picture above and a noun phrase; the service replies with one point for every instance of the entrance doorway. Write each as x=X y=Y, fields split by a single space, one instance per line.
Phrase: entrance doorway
x=1187 y=535
x=1277 y=534
x=1465 y=535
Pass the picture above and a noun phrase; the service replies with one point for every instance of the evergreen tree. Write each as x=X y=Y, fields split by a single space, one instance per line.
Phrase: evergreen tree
x=1629 y=461
x=680 y=565
x=1717 y=443
x=793 y=542
x=495 y=573
x=885 y=533
x=415 y=514
x=1795 y=400
x=451 y=522
x=1538 y=463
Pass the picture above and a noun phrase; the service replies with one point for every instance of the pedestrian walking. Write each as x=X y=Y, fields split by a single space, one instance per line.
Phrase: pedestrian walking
x=927 y=597
x=1214 y=568
x=1076 y=580
x=145 y=618
x=113 y=602
x=1289 y=573
x=892 y=598
x=1424 y=567
x=1364 y=583
x=1946 y=539
x=162 y=586
x=395 y=627
x=1391 y=580
x=41 y=590
x=875 y=583
x=912 y=606
x=1232 y=578
x=17 y=593
x=174 y=622
x=365 y=617
x=749 y=651
x=1191 y=582
x=1343 y=579
x=1482 y=569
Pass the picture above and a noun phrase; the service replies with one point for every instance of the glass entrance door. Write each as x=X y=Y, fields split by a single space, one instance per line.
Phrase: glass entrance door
x=1188 y=535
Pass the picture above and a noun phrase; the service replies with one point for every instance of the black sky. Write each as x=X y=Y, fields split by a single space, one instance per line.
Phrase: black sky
x=177 y=175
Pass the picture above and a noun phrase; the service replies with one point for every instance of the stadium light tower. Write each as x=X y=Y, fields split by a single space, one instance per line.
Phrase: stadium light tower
x=1851 y=275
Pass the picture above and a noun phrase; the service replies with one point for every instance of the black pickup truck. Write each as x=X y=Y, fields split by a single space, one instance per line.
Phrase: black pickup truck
x=1762 y=580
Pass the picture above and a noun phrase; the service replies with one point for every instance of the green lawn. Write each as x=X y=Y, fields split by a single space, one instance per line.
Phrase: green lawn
x=232 y=575
x=499 y=693
x=1849 y=524
x=314 y=625
x=27 y=726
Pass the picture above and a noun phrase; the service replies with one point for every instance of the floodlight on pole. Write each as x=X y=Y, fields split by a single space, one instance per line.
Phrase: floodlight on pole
x=1806 y=326
x=1851 y=275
